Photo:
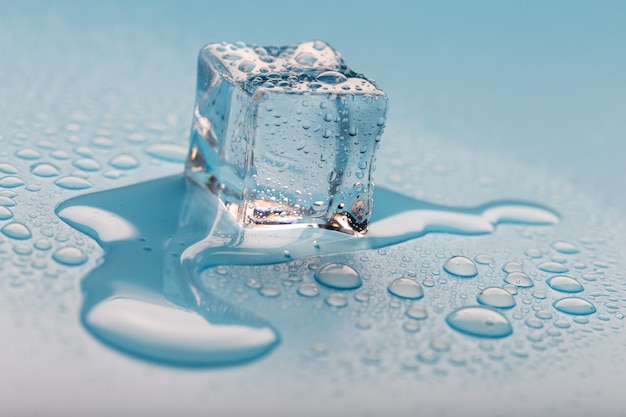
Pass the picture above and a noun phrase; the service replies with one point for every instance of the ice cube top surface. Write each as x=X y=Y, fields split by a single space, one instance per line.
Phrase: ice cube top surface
x=312 y=66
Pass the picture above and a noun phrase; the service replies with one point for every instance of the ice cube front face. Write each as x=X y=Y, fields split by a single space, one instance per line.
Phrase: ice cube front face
x=286 y=135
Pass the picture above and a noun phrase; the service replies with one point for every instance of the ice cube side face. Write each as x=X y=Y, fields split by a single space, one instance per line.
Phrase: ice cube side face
x=286 y=135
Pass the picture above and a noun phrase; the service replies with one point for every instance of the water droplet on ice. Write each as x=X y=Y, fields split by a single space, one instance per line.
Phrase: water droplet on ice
x=73 y=183
x=496 y=297
x=575 y=306
x=479 y=321
x=519 y=279
x=338 y=275
x=306 y=59
x=553 y=267
x=405 y=288
x=564 y=283
x=16 y=230
x=70 y=255
x=461 y=267
x=331 y=77
x=45 y=170
x=246 y=66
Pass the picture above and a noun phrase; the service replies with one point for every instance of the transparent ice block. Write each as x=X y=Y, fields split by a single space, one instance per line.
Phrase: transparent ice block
x=286 y=135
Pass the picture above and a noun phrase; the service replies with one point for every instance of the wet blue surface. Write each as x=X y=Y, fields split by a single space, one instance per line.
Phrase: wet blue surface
x=488 y=102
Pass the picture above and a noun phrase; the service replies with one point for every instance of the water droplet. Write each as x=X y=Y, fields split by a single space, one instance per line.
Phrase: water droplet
x=70 y=256
x=484 y=259
x=575 y=306
x=16 y=230
x=565 y=247
x=45 y=170
x=124 y=161
x=6 y=201
x=428 y=356
x=246 y=66
x=11 y=181
x=336 y=300
x=28 y=154
x=306 y=59
x=417 y=312
x=331 y=77
x=461 y=267
x=479 y=321
x=564 y=283
x=87 y=164
x=338 y=275
x=512 y=267
x=270 y=291
x=168 y=152
x=405 y=288
x=534 y=323
x=8 y=168
x=553 y=267
x=73 y=183
x=496 y=297
x=5 y=213
x=308 y=289
x=411 y=325
x=519 y=279
x=43 y=244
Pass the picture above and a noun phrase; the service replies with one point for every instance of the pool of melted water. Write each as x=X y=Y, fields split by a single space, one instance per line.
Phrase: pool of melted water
x=492 y=274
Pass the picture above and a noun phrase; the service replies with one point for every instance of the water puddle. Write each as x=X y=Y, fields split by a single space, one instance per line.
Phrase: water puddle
x=146 y=297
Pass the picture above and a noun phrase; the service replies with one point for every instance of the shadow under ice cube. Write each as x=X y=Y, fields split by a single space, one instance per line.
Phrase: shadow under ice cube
x=286 y=135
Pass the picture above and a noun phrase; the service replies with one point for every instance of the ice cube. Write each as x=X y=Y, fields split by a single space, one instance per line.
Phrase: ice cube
x=286 y=135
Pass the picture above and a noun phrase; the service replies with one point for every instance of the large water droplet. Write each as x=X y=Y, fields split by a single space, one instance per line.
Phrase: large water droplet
x=70 y=255
x=554 y=267
x=8 y=168
x=45 y=170
x=331 y=77
x=512 y=267
x=338 y=275
x=16 y=230
x=519 y=279
x=496 y=297
x=575 y=306
x=73 y=183
x=479 y=321
x=565 y=247
x=11 y=181
x=5 y=213
x=564 y=283
x=306 y=59
x=405 y=288
x=246 y=66
x=461 y=267
x=124 y=161
x=6 y=201
x=168 y=152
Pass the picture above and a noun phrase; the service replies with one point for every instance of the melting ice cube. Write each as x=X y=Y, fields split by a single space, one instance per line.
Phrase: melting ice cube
x=286 y=135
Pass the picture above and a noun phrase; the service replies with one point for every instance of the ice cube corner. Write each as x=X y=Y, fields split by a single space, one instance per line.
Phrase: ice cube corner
x=286 y=135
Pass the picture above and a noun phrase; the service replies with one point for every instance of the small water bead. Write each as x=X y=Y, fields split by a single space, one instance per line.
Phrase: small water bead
x=539 y=294
x=11 y=181
x=168 y=152
x=60 y=155
x=70 y=255
x=511 y=289
x=411 y=325
x=565 y=247
x=102 y=142
x=479 y=321
x=564 y=283
x=339 y=276
x=512 y=266
x=363 y=324
x=73 y=183
x=5 y=213
x=124 y=161
x=336 y=299
x=269 y=291
x=22 y=249
x=496 y=297
x=8 y=194
x=405 y=288
x=575 y=306
x=428 y=282
x=534 y=253
x=484 y=259
x=308 y=289
x=428 y=356
x=28 y=154
x=331 y=77
x=87 y=164
x=8 y=168
x=43 y=244
x=253 y=283
x=362 y=296
x=45 y=170
x=553 y=267
x=543 y=314
x=417 y=312
x=519 y=279
x=461 y=266
x=305 y=59
x=581 y=320
x=16 y=230
x=562 y=324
